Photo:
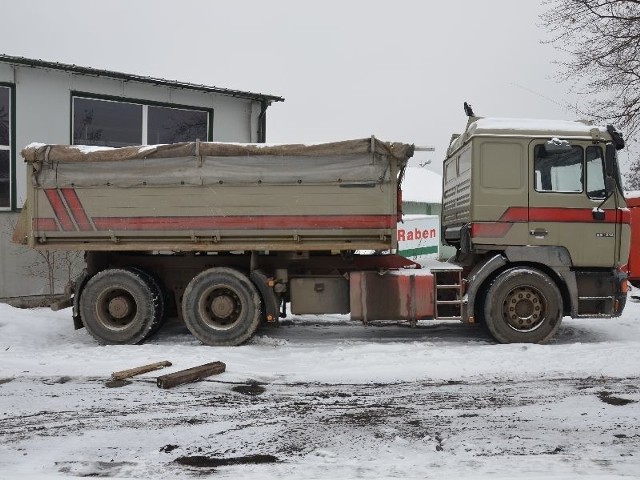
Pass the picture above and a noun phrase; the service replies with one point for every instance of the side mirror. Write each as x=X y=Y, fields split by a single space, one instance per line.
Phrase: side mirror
x=609 y=184
x=610 y=160
x=618 y=139
x=598 y=214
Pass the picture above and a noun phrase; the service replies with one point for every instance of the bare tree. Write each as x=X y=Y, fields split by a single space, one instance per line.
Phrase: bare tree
x=187 y=129
x=632 y=177
x=84 y=131
x=602 y=41
x=44 y=266
x=50 y=266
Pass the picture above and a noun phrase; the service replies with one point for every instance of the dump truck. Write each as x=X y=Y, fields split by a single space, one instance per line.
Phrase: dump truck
x=228 y=236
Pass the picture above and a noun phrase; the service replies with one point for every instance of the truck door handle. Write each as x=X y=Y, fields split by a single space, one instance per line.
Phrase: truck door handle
x=539 y=232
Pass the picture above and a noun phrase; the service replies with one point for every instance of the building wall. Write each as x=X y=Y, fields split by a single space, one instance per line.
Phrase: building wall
x=25 y=272
x=419 y=208
x=43 y=114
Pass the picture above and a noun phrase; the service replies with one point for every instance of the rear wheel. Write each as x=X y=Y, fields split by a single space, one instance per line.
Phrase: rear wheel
x=161 y=296
x=221 y=307
x=522 y=305
x=121 y=306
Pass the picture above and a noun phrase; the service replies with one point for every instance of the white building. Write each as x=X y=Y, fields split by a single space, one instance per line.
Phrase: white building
x=422 y=198
x=66 y=104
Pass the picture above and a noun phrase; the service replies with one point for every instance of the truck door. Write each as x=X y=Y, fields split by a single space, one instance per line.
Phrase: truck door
x=566 y=187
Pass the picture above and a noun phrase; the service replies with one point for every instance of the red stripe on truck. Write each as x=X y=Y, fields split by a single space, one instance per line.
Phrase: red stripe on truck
x=490 y=229
x=59 y=209
x=513 y=215
x=44 y=224
x=76 y=208
x=570 y=215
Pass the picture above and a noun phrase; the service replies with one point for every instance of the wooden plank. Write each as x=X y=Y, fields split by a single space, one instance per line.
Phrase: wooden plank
x=121 y=375
x=191 y=374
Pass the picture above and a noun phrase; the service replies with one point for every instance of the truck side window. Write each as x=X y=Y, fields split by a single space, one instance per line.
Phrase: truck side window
x=558 y=171
x=595 y=173
x=451 y=169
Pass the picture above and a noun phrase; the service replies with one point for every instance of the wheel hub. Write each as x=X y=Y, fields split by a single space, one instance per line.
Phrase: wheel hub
x=222 y=306
x=116 y=308
x=524 y=308
x=120 y=307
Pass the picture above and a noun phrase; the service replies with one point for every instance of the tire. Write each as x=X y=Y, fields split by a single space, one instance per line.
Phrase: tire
x=523 y=305
x=221 y=307
x=121 y=306
x=160 y=296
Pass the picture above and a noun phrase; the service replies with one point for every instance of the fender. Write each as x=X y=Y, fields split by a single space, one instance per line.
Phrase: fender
x=476 y=278
x=77 y=291
x=557 y=259
x=269 y=298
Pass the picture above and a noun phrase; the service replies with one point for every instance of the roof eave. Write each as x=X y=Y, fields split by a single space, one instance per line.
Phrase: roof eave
x=137 y=78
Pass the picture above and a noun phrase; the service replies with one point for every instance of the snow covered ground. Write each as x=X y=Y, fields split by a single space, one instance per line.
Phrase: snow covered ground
x=323 y=397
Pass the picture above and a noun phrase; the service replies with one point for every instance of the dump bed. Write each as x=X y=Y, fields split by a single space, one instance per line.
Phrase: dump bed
x=214 y=196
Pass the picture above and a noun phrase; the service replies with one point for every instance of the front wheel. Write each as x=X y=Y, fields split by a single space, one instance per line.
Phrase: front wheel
x=523 y=305
x=221 y=307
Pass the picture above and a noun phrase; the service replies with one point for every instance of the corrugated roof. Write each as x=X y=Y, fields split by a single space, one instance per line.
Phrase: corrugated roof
x=136 y=78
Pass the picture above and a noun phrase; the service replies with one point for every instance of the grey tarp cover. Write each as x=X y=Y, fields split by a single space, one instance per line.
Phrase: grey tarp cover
x=199 y=163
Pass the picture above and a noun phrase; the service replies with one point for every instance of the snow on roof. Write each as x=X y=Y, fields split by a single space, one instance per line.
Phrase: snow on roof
x=534 y=125
x=528 y=127
x=421 y=185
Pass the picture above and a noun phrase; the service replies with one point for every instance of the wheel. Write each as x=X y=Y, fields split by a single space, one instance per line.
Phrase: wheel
x=160 y=295
x=522 y=305
x=121 y=306
x=221 y=307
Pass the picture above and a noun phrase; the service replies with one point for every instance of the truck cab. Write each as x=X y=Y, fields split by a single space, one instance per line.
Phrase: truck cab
x=541 y=199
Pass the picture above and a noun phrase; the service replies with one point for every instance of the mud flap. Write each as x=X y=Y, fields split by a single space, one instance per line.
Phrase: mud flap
x=77 y=291
x=269 y=299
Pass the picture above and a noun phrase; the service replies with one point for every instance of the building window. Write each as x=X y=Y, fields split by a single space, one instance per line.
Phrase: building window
x=5 y=148
x=171 y=125
x=117 y=124
x=102 y=122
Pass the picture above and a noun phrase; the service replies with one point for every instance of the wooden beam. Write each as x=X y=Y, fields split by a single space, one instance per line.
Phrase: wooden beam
x=191 y=374
x=121 y=375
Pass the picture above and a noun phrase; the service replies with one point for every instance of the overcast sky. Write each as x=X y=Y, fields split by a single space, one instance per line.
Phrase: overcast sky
x=398 y=69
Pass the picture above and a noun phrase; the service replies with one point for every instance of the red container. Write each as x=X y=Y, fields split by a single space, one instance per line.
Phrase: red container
x=634 y=253
x=392 y=296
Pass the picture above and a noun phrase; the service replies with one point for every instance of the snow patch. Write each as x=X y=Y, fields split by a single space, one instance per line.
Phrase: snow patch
x=36 y=145
x=534 y=124
x=421 y=185
x=90 y=148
